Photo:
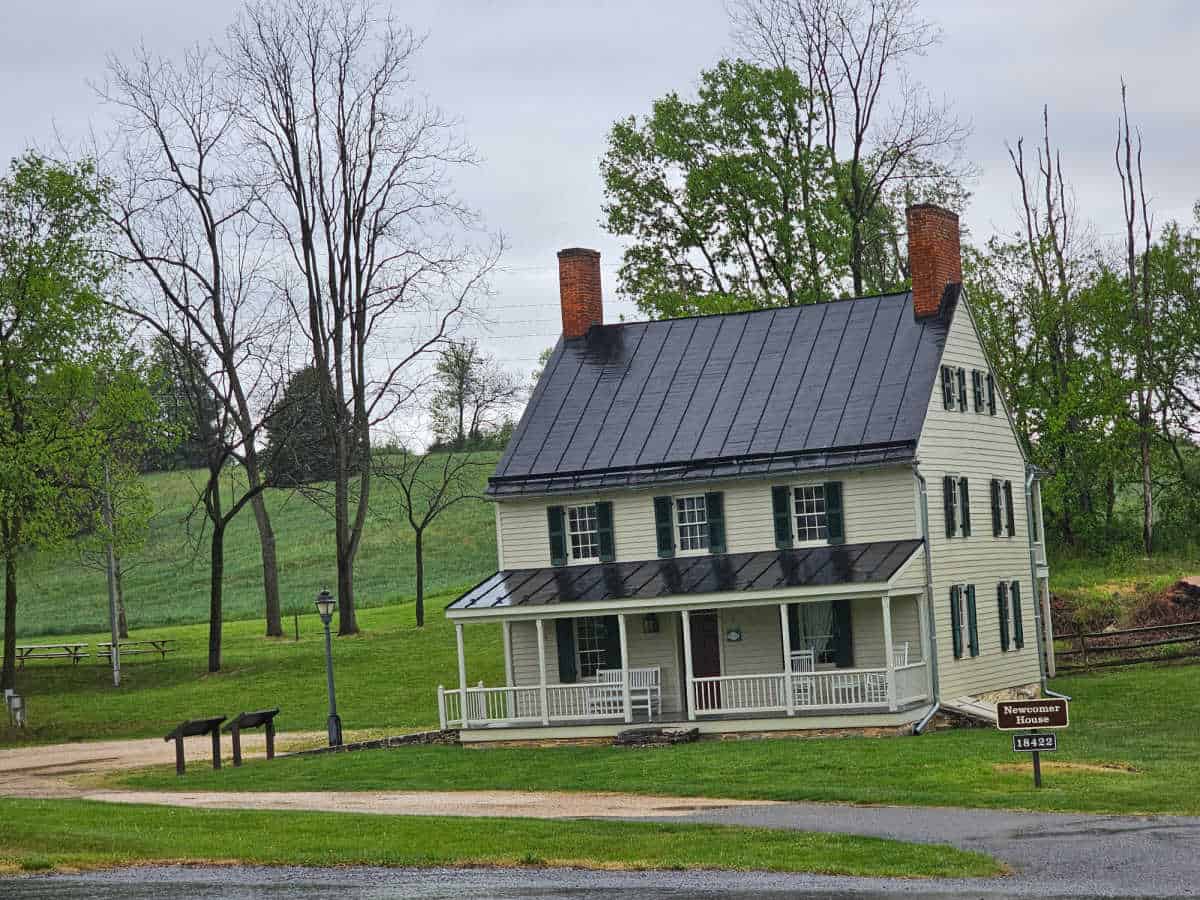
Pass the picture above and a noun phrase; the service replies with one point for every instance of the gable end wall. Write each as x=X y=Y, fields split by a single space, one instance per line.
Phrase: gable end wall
x=979 y=447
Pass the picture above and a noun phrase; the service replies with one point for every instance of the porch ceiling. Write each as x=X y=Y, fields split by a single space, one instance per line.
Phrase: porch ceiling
x=812 y=567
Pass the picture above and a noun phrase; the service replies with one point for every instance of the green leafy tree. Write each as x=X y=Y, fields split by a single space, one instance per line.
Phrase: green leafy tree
x=174 y=379
x=729 y=201
x=474 y=395
x=59 y=405
x=298 y=448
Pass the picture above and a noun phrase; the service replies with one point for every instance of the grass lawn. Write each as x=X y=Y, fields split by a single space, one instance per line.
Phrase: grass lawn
x=168 y=580
x=387 y=679
x=43 y=834
x=1106 y=588
x=1131 y=748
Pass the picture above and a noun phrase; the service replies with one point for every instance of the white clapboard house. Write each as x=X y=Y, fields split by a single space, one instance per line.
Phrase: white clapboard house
x=814 y=517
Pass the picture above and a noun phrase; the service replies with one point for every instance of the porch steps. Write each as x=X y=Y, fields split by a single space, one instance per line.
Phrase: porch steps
x=972 y=708
x=655 y=737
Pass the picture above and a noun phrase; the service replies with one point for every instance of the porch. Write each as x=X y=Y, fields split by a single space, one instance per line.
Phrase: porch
x=794 y=663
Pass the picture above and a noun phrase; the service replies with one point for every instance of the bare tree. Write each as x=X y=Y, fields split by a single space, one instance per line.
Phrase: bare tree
x=880 y=125
x=473 y=397
x=1128 y=156
x=354 y=169
x=428 y=485
x=183 y=216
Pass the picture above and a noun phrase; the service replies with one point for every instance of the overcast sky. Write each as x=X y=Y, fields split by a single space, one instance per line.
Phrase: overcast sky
x=536 y=86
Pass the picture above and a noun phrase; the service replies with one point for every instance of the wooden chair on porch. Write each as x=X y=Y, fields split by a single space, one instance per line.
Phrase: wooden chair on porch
x=645 y=690
x=803 y=661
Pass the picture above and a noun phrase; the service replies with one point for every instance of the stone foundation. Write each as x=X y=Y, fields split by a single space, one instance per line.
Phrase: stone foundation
x=1021 y=692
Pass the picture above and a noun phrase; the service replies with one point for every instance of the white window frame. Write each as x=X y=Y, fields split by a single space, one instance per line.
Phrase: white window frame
x=964 y=623
x=820 y=540
x=600 y=662
x=679 y=525
x=572 y=559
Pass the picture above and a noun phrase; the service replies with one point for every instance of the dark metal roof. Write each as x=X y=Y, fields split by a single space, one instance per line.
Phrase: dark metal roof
x=821 y=386
x=871 y=563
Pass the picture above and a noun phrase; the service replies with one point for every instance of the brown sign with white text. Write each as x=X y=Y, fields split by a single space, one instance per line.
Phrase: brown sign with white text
x=1015 y=715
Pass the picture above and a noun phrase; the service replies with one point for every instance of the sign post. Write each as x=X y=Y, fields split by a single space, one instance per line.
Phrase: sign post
x=1028 y=715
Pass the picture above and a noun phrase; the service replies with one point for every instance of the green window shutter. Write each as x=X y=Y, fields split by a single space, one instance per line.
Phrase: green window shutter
x=964 y=502
x=1018 y=623
x=948 y=506
x=781 y=506
x=714 y=508
x=962 y=390
x=996 y=526
x=947 y=388
x=834 y=518
x=991 y=386
x=664 y=526
x=556 y=518
x=1009 y=524
x=565 y=633
x=977 y=388
x=794 y=627
x=843 y=635
x=611 y=641
x=604 y=531
x=956 y=621
x=1002 y=605
x=972 y=622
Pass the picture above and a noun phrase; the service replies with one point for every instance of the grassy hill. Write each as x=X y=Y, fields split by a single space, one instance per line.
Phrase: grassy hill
x=168 y=581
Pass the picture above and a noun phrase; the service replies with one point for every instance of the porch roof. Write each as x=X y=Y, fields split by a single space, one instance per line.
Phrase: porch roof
x=825 y=566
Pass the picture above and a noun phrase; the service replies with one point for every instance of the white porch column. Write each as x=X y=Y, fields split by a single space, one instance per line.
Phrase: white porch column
x=889 y=653
x=688 y=690
x=462 y=675
x=543 y=698
x=509 y=677
x=626 y=699
x=786 y=633
x=926 y=649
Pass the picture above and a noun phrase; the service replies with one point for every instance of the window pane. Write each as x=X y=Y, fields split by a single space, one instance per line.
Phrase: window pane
x=582 y=528
x=589 y=645
x=811 y=523
x=691 y=518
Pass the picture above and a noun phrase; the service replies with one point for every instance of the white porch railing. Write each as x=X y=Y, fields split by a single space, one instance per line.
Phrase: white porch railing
x=832 y=691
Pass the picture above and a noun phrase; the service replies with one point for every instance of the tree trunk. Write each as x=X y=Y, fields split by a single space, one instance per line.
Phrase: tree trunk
x=266 y=537
x=1110 y=503
x=347 y=619
x=216 y=584
x=9 y=677
x=1147 y=492
x=122 y=622
x=418 y=546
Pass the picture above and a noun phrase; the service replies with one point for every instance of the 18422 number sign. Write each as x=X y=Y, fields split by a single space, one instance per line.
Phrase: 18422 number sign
x=1034 y=743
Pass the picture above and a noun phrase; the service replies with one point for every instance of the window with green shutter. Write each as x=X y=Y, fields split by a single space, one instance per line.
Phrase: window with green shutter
x=956 y=620
x=949 y=502
x=1002 y=609
x=1009 y=520
x=664 y=526
x=604 y=531
x=781 y=508
x=564 y=632
x=972 y=622
x=991 y=394
x=1018 y=621
x=556 y=520
x=977 y=388
x=947 y=387
x=996 y=522
x=962 y=389
x=834 y=517
x=964 y=505
x=714 y=502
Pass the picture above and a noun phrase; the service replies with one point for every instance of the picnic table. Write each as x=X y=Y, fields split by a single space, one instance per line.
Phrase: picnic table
x=68 y=650
x=161 y=646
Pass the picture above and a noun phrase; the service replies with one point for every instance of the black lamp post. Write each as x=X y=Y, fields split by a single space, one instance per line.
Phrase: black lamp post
x=325 y=607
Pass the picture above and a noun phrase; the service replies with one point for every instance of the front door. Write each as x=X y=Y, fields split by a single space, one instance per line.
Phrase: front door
x=706 y=658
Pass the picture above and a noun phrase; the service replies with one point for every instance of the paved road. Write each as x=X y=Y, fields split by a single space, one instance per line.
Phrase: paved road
x=1155 y=856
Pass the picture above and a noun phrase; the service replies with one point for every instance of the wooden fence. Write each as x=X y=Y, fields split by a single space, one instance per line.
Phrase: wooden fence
x=1101 y=652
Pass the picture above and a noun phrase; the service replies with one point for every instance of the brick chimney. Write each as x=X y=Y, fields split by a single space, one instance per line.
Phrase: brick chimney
x=934 y=256
x=579 y=290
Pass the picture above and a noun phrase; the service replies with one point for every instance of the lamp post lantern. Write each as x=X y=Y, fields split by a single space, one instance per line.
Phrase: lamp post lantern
x=325 y=607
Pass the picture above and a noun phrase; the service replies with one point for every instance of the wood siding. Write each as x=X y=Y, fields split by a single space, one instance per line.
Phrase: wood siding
x=979 y=447
x=879 y=504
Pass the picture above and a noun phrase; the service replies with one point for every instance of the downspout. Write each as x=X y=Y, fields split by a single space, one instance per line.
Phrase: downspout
x=1030 y=477
x=923 y=494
